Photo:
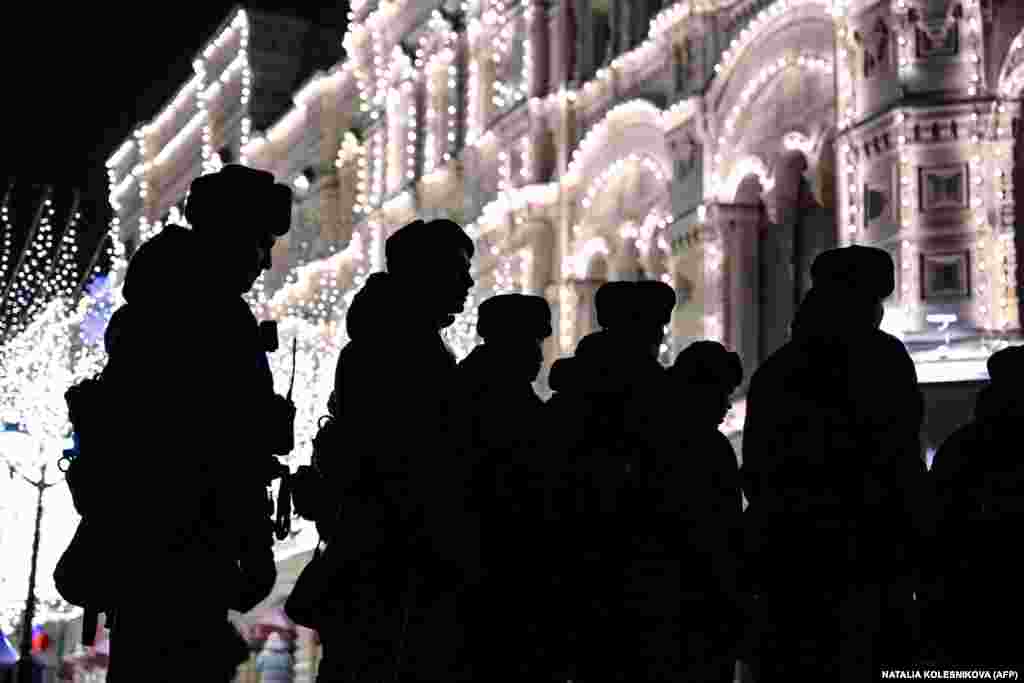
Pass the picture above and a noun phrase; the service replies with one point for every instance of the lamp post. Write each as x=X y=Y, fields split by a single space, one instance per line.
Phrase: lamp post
x=15 y=446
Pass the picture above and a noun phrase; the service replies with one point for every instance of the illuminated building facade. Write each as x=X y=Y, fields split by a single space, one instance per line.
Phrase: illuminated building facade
x=716 y=145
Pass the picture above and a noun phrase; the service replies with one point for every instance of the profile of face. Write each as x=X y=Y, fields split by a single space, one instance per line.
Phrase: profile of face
x=445 y=286
x=260 y=261
x=722 y=404
x=239 y=267
x=461 y=282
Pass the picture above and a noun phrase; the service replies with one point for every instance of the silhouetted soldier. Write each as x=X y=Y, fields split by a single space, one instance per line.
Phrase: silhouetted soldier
x=695 y=524
x=605 y=426
x=979 y=478
x=832 y=467
x=404 y=547
x=201 y=424
x=506 y=434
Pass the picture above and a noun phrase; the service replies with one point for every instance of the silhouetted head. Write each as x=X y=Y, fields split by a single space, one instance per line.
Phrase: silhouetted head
x=516 y=324
x=858 y=276
x=1002 y=397
x=709 y=373
x=639 y=310
x=1006 y=367
x=238 y=213
x=155 y=271
x=431 y=262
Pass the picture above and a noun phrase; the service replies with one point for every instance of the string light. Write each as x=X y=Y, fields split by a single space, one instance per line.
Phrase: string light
x=720 y=187
x=1011 y=73
x=622 y=116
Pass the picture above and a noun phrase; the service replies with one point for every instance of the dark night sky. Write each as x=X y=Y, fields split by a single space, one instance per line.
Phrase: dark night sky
x=80 y=78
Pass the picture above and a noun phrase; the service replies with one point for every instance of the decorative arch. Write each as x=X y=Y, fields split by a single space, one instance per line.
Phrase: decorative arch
x=724 y=180
x=633 y=127
x=767 y=21
x=588 y=259
x=603 y=211
x=742 y=169
x=1011 y=74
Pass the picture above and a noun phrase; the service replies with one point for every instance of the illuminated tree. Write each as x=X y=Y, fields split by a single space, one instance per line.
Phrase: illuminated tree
x=36 y=367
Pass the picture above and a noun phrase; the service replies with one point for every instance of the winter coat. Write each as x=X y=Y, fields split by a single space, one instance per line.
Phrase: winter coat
x=831 y=456
x=192 y=391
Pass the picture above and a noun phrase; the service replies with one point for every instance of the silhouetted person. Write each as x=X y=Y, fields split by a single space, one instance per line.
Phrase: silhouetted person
x=200 y=427
x=604 y=420
x=506 y=433
x=979 y=479
x=832 y=469
x=696 y=522
x=405 y=548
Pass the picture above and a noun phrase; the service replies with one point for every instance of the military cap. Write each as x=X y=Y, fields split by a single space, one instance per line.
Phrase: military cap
x=514 y=316
x=708 y=362
x=1006 y=366
x=855 y=269
x=240 y=195
x=612 y=304
x=420 y=241
x=626 y=304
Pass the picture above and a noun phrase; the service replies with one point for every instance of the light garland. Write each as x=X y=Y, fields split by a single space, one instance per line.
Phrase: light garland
x=504 y=171
x=753 y=88
x=983 y=242
x=632 y=112
x=567 y=303
x=1011 y=73
x=615 y=171
x=756 y=26
x=26 y=293
x=845 y=72
x=7 y=233
x=972 y=15
x=849 y=178
x=377 y=177
x=441 y=109
x=506 y=91
x=904 y=44
x=410 y=126
x=525 y=160
x=141 y=169
x=908 y=277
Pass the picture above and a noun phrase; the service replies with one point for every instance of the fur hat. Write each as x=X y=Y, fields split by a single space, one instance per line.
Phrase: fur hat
x=239 y=195
x=708 y=362
x=1006 y=366
x=514 y=316
x=420 y=242
x=632 y=304
x=855 y=269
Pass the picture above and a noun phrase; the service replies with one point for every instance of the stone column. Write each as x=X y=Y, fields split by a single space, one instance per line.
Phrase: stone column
x=576 y=315
x=540 y=55
x=715 y=284
x=543 y=268
x=741 y=225
x=335 y=199
x=626 y=261
x=561 y=43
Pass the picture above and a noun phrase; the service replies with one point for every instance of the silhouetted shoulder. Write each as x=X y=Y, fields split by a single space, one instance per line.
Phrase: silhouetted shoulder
x=956 y=452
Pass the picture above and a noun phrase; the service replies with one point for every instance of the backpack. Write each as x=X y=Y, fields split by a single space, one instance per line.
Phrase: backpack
x=312 y=499
x=82 y=576
x=310 y=493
